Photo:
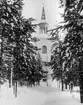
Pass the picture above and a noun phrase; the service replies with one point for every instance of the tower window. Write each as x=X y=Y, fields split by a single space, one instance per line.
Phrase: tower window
x=44 y=50
x=44 y=30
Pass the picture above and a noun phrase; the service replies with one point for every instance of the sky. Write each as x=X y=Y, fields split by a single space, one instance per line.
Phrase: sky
x=33 y=8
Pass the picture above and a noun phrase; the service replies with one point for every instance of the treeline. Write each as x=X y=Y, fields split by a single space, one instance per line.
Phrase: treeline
x=18 y=62
x=67 y=58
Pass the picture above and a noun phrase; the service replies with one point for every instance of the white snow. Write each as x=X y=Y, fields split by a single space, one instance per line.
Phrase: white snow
x=30 y=97
x=33 y=96
x=61 y=98
x=26 y=96
x=76 y=95
x=76 y=89
x=6 y=95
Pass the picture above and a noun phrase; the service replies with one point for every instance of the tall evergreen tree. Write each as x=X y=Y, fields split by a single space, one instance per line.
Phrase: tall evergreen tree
x=17 y=32
x=57 y=59
x=7 y=20
x=73 y=41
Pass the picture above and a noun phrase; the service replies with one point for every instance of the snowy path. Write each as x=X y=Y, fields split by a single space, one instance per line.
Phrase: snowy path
x=57 y=97
x=38 y=96
x=61 y=98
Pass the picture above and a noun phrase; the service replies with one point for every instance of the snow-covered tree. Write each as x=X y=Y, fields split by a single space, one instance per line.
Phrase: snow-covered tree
x=74 y=40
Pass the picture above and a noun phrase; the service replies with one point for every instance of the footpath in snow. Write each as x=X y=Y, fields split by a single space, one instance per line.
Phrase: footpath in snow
x=37 y=96
x=26 y=96
x=57 y=97
x=61 y=98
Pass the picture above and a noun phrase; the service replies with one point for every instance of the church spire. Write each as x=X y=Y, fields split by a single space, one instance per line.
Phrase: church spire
x=43 y=17
x=43 y=23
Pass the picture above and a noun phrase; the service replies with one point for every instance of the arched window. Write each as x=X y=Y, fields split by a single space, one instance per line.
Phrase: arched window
x=44 y=50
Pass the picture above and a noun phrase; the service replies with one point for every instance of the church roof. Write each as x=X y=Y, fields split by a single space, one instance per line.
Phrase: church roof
x=43 y=17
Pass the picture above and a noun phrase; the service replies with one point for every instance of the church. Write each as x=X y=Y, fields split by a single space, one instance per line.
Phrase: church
x=44 y=44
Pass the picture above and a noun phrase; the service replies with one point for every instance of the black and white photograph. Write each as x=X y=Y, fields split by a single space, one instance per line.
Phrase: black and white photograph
x=41 y=52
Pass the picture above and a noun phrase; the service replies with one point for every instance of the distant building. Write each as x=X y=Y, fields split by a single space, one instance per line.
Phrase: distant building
x=44 y=44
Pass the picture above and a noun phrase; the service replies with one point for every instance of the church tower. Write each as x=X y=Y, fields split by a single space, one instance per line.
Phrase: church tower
x=43 y=26
x=44 y=44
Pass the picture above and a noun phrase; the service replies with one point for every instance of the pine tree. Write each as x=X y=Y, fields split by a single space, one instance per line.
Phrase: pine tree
x=17 y=32
x=39 y=72
x=74 y=39
x=57 y=59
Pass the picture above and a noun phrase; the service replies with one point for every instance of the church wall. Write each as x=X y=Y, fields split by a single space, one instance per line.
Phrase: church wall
x=45 y=42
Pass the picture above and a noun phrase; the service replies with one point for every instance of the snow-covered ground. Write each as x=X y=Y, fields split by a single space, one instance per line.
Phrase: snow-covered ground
x=76 y=95
x=30 y=97
x=34 y=96
x=61 y=98
x=26 y=96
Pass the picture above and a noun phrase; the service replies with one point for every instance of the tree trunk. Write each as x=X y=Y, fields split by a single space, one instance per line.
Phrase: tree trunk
x=81 y=79
x=1 y=54
x=59 y=84
x=9 y=82
x=62 y=85
x=81 y=89
x=65 y=85
x=15 y=88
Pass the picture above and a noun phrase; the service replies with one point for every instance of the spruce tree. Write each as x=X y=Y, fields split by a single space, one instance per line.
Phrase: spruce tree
x=74 y=40
x=16 y=31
